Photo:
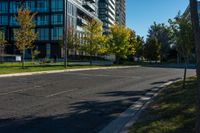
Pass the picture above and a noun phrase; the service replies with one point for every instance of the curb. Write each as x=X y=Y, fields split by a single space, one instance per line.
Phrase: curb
x=61 y=71
x=129 y=117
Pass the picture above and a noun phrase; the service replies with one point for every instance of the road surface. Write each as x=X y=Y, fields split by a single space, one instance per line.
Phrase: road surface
x=75 y=102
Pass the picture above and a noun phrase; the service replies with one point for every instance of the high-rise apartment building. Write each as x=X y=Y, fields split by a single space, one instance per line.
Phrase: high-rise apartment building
x=120 y=12
x=107 y=13
x=187 y=15
x=49 y=21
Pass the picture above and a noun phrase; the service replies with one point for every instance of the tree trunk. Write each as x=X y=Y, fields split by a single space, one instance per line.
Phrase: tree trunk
x=117 y=60
x=68 y=56
x=65 y=54
x=195 y=24
x=23 y=58
x=90 y=54
x=161 y=58
x=90 y=59
x=178 y=59
x=74 y=54
x=65 y=57
x=185 y=74
x=32 y=56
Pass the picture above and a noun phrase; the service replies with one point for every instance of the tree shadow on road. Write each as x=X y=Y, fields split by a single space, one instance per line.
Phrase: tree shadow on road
x=85 y=117
x=88 y=116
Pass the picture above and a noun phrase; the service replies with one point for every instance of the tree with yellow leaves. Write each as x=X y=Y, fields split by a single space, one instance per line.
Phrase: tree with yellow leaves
x=120 y=42
x=25 y=36
x=94 y=40
x=132 y=44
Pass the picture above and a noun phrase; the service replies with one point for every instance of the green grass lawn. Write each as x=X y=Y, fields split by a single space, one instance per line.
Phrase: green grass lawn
x=173 y=111
x=8 y=68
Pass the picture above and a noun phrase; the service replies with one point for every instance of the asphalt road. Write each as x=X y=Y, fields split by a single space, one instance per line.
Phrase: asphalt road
x=75 y=102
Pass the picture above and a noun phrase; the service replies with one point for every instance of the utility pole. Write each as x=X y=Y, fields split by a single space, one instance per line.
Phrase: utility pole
x=65 y=32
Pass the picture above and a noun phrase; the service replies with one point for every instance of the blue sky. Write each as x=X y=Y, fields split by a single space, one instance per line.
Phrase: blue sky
x=142 y=13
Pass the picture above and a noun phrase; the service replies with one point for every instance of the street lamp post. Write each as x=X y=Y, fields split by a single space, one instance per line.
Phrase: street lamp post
x=65 y=32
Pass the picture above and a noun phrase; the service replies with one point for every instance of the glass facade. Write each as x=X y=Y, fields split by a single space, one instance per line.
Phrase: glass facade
x=56 y=33
x=3 y=20
x=57 y=5
x=49 y=19
x=29 y=5
x=13 y=21
x=42 y=20
x=43 y=34
x=14 y=6
x=57 y=19
x=42 y=6
x=4 y=7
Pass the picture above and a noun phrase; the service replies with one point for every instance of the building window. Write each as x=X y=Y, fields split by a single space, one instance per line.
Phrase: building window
x=42 y=20
x=71 y=9
x=14 y=5
x=30 y=5
x=42 y=6
x=13 y=21
x=57 y=5
x=57 y=19
x=4 y=7
x=56 y=33
x=3 y=20
x=43 y=34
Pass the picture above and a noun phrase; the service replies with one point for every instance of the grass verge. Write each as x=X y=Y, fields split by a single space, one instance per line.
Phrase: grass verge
x=173 y=111
x=10 y=68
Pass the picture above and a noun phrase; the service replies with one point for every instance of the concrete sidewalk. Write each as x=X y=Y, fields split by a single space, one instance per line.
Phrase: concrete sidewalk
x=61 y=71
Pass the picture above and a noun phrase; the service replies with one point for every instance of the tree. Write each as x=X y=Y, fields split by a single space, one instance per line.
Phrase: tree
x=152 y=49
x=94 y=40
x=119 y=41
x=3 y=43
x=73 y=40
x=196 y=29
x=104 y=45
x=132 y=43
x=76 y=43
x=163 y=34
x=184 y=40
x=25 y=36
x=139 y=47
x=34 y=54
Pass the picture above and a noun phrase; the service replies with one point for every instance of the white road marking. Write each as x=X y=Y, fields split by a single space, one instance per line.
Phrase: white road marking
x=59 y=93
x=16 y=91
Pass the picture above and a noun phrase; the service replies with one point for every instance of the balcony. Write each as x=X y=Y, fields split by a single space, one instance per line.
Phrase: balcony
x=89 y=6
x=79 y=28
x=92 y=1
x=81 y=21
